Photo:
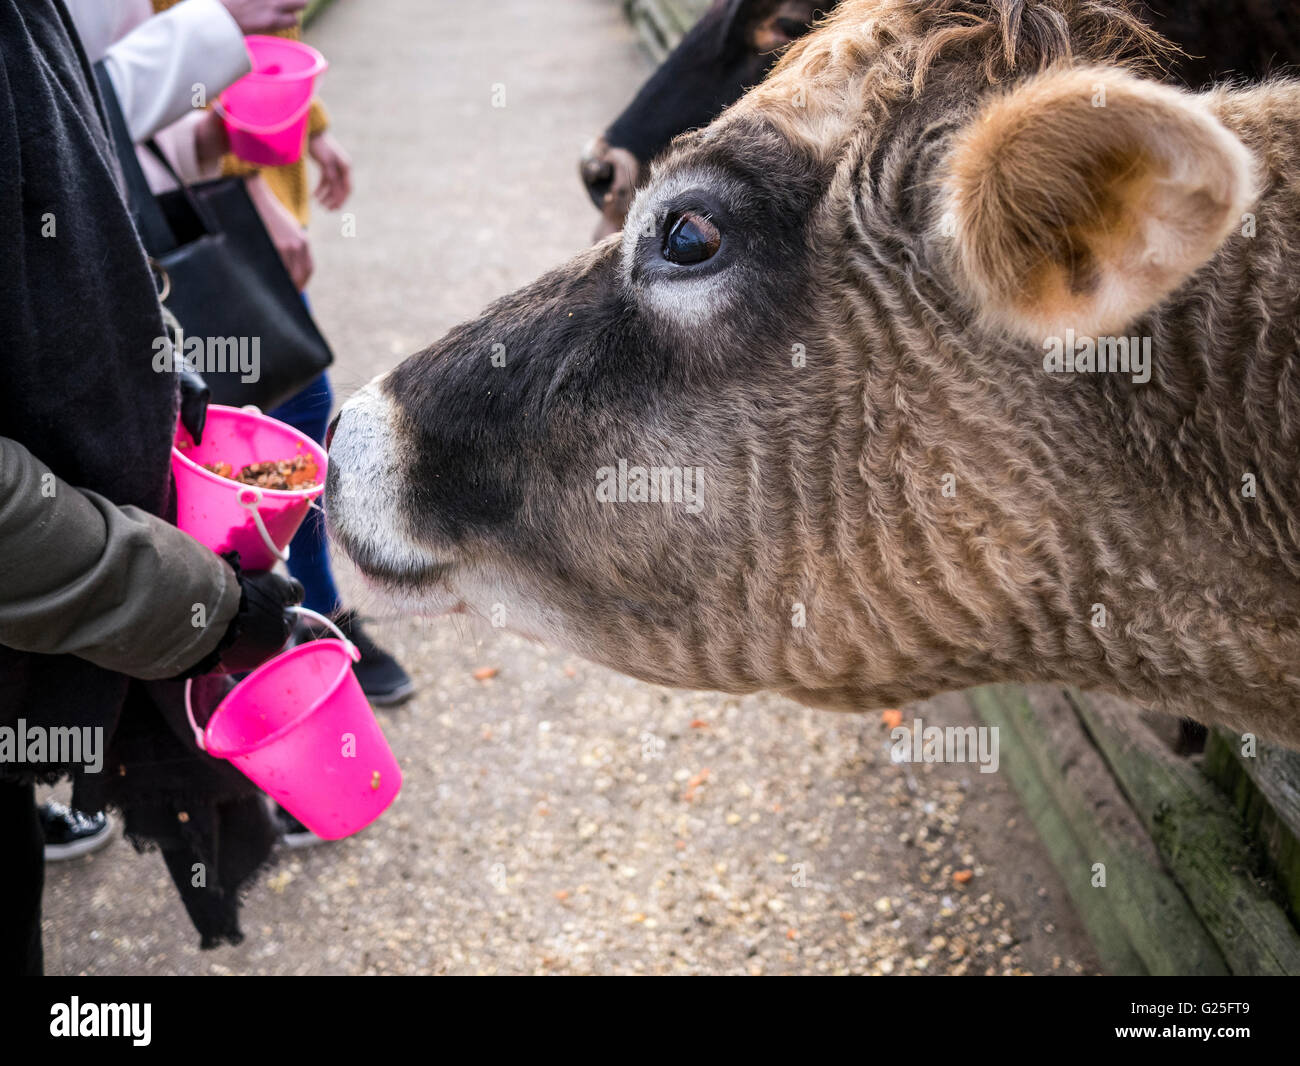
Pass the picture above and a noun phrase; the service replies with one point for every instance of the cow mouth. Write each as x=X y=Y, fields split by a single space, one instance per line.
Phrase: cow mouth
x=408 y=582
x=404 y=577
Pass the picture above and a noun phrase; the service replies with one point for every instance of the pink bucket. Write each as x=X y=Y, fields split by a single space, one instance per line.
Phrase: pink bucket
x=300 y=728
x=227 y=516
x=265 y=112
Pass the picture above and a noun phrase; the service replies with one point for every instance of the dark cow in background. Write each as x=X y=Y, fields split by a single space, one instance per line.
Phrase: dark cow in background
x=1248 y=39
x=736 y=42
x=727 y=51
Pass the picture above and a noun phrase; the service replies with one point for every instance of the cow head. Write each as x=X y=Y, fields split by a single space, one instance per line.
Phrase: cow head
x=800 y=425
x=726 y=52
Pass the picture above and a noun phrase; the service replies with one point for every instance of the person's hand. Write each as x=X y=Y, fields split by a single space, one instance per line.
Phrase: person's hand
x=335 y=170
x=259 y=16
x=261 y=627
x=263 y=624
x=211 y=141
x=194 y=403
x=289 y=238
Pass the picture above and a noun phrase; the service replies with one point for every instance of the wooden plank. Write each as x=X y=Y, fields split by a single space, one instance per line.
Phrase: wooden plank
x=685 y=13
x=1276 y=773
x=1140 y=922
x=651 y=36
x=1053 y=828
x=662 y=23
x=1265 y=791
x=1200 y=837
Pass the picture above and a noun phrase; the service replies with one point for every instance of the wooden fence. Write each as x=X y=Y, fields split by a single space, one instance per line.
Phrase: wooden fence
x=1177 y=864
x=662 y=22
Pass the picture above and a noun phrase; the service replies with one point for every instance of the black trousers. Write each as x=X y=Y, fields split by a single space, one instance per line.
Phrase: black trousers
x=22 y=880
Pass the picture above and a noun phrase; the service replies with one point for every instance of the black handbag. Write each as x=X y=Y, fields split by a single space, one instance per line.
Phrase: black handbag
x=245 y=326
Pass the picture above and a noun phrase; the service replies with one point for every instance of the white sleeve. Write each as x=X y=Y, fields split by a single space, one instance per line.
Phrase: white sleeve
x=101 y=22
x=156 y=66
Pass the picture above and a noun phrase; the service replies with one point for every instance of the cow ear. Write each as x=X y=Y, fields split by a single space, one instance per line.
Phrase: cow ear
x=1083 y=197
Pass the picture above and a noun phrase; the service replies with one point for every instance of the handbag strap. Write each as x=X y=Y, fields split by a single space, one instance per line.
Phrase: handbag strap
x=150 y=222
x=161 y=156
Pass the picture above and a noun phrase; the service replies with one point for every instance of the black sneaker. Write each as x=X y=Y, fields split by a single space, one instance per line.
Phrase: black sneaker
x=70 y=834
x=382 y=679
x=293 y=834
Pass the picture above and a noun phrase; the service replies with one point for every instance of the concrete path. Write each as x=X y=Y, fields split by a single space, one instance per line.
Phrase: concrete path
x=534 y=834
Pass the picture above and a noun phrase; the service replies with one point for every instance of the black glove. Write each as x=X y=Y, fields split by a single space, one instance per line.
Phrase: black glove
x=194 y=402
x=260 y=628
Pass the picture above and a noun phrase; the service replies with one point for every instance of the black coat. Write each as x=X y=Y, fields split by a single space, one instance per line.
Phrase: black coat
x=78 y=318
x=79 y=315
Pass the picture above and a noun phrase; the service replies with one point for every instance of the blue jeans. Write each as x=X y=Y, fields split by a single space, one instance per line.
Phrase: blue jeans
x=309 y=560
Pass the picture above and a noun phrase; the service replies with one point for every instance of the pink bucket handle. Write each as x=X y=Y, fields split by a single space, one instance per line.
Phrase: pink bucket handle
x=250 y=497
x=353 y=652
x=189 y=713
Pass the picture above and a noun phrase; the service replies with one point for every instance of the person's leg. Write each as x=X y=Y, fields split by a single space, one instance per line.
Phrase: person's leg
x=22 y=855
x=309 y=561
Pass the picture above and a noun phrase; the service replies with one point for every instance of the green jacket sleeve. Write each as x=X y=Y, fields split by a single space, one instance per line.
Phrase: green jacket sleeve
x=113 y=585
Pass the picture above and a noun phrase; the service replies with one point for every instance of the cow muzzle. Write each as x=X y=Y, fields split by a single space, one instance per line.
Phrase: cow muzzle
x=610 y=175
x=365 y=489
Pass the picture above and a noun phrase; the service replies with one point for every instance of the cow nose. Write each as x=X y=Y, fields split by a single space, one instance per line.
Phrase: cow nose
x=597 y=171
x=610 y=175
x=329 y=433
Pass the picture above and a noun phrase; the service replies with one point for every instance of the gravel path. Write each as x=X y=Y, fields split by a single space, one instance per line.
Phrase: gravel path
x=558 y=818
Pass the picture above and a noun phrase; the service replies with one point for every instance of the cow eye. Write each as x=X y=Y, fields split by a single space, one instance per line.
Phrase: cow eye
x=792 y=29
x=691 y=238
